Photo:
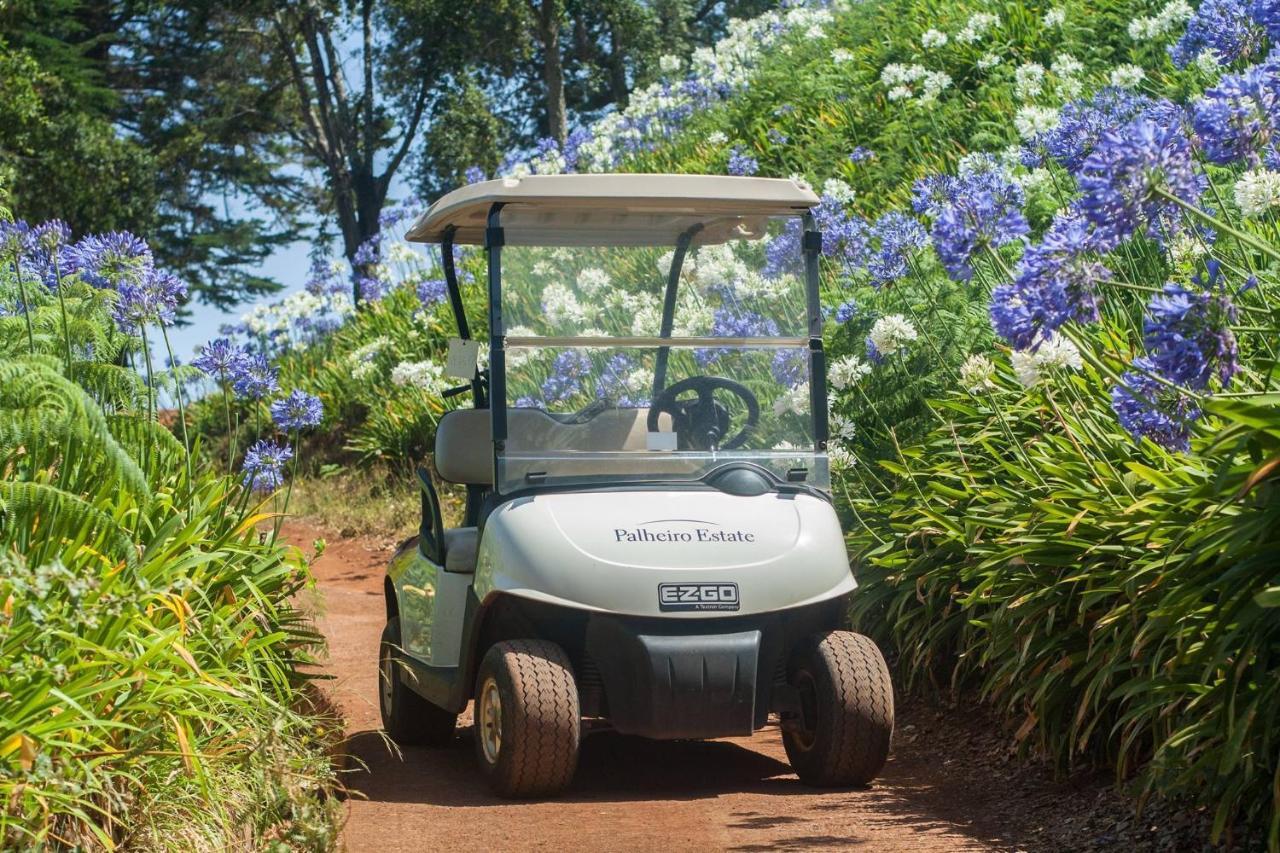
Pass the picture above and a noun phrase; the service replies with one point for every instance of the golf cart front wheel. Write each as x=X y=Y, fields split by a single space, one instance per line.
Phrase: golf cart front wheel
x=527 y=718
x=846 y=710
x=409 y=719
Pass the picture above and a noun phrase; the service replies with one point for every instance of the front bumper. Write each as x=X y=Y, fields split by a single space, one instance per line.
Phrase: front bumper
x=679 y=679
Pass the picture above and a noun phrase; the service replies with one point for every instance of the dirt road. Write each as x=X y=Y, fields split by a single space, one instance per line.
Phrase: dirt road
x=948 y=785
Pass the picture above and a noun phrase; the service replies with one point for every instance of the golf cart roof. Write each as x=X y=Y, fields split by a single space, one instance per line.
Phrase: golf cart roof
x=628 y=209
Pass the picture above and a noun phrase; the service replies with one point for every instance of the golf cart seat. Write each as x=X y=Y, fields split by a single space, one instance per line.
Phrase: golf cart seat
x=460 y=545
x=464 y=447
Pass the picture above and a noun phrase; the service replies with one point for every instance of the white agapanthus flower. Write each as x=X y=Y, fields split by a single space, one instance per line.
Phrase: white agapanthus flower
x=593 y=282
x=1031 y=121
x=1258 y=191
x=1127 y=76
x=896 y=73
x=840 y=457
x=1035 y=181
x=935 y=82
x=717 y=137
x=847 y=372
x=933 y=39
x=1170 y=18
x=796 y=401
x=1066 y=65
x=838 y=190
x=561 y=307
x=977 y=373
x=426 y=375
x=1055 y=17
x=841 y=55
x=1028 y=80
x=1055 y=353
x=1185 y=249
x=899 y=93
x=892 y=333
x=669 y=64
x=841 y=428
x=978 y=26
x=1070 y=87
x=988 y=60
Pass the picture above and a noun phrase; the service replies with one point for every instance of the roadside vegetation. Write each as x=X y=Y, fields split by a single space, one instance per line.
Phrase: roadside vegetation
x=151 y=696
x=1051 y=267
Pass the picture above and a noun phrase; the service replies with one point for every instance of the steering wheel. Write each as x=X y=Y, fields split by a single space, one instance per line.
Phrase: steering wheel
x=701 y=423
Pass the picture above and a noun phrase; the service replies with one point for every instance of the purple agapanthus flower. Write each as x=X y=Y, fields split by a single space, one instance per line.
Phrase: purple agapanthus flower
x=263 y=467
x=1150 y=409
x=790 y=367
x=568 y=371
x=323 y=279
x=107 y=260
x=776 y=136
x=860 y=154
x=369 y=252
x=1056 y=281
x=1124 y=180
x=299 y=410
x=154 y=299
x=51 y=235
x=254 y=377
x=844 y=237
x=220 y=359
x=900 y=236
x=741 y=163
x=432 y=291
x=873 y=352
x=571 y=151
x=1237 y=118
x=846 y=312
x=372 y=288
x=1188 y=333
x=1222 y=26
x=1267 y=14
x=1081 y=123
x=474 y=175
x=613 y=383
x=984 y=210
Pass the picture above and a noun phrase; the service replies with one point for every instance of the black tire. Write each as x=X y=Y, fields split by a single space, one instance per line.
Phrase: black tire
x=409 y=719
x=846 y=699
x=539 y=721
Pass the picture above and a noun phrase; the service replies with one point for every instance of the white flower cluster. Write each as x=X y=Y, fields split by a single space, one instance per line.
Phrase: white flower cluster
x=977 y=373
x=729 y=64
x=717 y=137
x=899 y=78
x=841 y=428
x=1028 y=80
x=1067 y=69
x=426 y=375
x=1166 y=21
x=669 y=64
x=892 y=333
x=561 y=307
x=363 y=360
x=841 y=55
x=1127 y=76
x=988 y=60
x=795 y=400
x=1257 y=192
x=1031 y=121
x=286 y=322
x=933 y=39
x=847 y=372
x=977 y=27
x=838 y=190
x=1055 y=17
x=1056 y=352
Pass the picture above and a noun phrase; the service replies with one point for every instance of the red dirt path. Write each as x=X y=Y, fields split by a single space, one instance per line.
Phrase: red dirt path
x=946 y=787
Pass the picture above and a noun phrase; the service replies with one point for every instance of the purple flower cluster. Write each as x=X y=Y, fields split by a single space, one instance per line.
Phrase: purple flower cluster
x=1267 y=14
x=1237 y=119
x=1188 y=334
x=846 y=312
x=299 y=410
x=729 y=321
x=108 y=260
x=1148 y=408
x=323 y=279
x=844 y=237
x=263 y=467
x=474 y=175
x=1225 y=27
x=369 y=252
x=790 y=367
x=255 y=378
x=568 y=371
x=860 y=154
x=220 y=359
x=1055 y=282
x=1080 y=125
x=981 y=209
x=741 y=163
x=373 y=288
x=1124 y=182
x=900 y=236
x=432 y=291
x=153 y=299
x=612 y=386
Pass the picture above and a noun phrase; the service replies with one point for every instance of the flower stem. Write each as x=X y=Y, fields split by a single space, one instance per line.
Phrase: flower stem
x=62 y=304
x=26 y=307
x=182 y=409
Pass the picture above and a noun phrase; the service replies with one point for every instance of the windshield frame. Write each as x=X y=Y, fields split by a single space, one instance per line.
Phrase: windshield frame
x=494 y=240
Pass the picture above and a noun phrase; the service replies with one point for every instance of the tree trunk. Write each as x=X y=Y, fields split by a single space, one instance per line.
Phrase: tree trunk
x=553 y=68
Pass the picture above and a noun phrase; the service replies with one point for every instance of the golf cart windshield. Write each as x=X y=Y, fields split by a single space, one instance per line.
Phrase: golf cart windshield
x=653 y=346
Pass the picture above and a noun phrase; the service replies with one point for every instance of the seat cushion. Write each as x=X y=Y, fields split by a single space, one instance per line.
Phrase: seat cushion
x=460 y=546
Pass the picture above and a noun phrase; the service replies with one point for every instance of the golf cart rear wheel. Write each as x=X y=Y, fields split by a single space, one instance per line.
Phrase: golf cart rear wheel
x=528 y=722
x=409 y=719
x=846 y=720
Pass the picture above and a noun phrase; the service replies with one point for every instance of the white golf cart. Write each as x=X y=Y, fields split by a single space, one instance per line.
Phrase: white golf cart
x=649 y=543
